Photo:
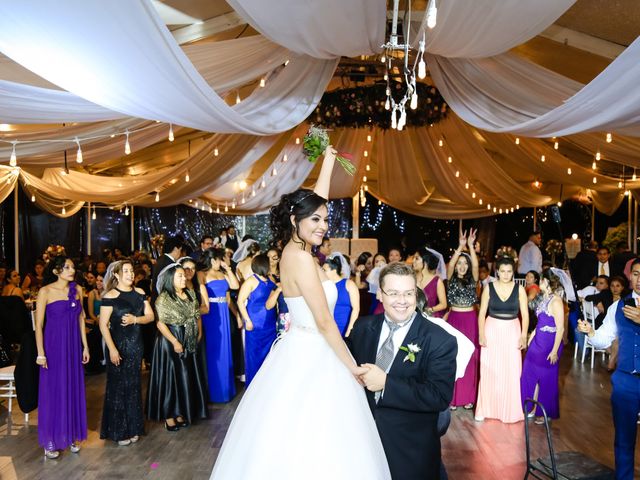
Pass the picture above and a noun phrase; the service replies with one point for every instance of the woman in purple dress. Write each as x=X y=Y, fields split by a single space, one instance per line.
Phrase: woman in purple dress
x=540 y=370
x=62 y=349
x=425 y=264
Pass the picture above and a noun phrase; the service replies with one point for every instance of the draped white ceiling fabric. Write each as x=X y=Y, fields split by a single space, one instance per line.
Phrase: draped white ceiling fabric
x=125 y=60
x=508 y=94
x=327 y=29
x=483 y=28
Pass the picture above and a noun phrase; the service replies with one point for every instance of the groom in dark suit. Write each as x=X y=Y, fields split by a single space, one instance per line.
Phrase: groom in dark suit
x=412 y=366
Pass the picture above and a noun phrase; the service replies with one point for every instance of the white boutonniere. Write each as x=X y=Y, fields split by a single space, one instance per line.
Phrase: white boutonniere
x=412 y=349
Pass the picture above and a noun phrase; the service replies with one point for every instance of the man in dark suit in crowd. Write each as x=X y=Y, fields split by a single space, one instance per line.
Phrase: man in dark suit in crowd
x=232 y=238
x=173 y=249
x=585 y=266
x=412 y=366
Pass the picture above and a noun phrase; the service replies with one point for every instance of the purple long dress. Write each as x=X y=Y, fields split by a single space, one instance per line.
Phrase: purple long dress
x=537 y=370
x=431 y=292
x=62 y=409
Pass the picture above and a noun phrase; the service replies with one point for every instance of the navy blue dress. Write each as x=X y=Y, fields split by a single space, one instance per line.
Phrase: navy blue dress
x=259 y=340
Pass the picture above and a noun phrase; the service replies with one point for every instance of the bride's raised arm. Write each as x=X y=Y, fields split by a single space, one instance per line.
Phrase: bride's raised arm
x=324 y=178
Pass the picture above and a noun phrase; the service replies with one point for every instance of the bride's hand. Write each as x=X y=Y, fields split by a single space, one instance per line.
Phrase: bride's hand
x=330 y=153
x=357 y=372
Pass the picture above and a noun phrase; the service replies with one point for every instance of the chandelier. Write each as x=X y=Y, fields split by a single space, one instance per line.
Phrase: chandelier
x=395 y=52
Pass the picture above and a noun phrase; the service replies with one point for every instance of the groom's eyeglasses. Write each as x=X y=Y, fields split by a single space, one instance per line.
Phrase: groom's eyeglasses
x=394 y=295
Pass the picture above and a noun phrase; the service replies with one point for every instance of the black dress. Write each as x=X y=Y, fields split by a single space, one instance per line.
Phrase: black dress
x=122 y=416
x=178 y=382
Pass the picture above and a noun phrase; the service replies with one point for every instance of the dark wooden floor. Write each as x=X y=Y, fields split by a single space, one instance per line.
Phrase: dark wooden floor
x=489 y=450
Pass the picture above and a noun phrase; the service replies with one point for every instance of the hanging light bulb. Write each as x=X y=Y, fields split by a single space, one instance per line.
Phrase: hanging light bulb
x=440 y=143
x=217 y=208
x=274 y=172
x=480 y=202
x=216 y=152
x=186 y=176
x=414 y=100
x=385 y=77
x=627 y=193
x=633 y=177
x=253 y=191
x=495 y=209
x=238 y=99
x=233 y=204
x=536 y=183
x=488 y=206
x=79 y=152
x=366 y=153
x=457 y=173
x=242 y=185
x=262 y=82
x=157 y=196
x=556 y=145
x=542 y=158
x=598 y=156
x=127 y=147
x=595 y=180
x=64 y=210
x=93 y=215
x=13 y=160
x=285 y=158
x=210 y=209
x=569 y=171
x=196 y=204
x=517 y=207
x=450 y=160
x=242 y=200
x=394 y=120
x=517 y=140
x=620 y=184
x=387 y=104
x=368 y=168
x=500 y=211
x=263 y=184
x=226 y=207
x=473 y=195
x=33 y=198
x=171 y=137
x=366 y=188
x=387 y=91
x=609 y=138
x=297 y=140
x=559 y=203
x=432 y=14
x=383 y=58
x=593 y=165
x=466 y=185
x=368 y=138
x=126 y=211
x=422 y=69
x=364 y=179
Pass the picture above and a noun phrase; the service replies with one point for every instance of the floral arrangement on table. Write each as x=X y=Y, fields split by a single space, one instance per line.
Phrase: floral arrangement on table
x=53 y=251
x=157 y=244
x=506 y=251
x=365 y=107
x=553 y=248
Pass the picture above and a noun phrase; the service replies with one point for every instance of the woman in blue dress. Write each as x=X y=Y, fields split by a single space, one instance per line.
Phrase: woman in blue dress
x=218 y=278
x=257 y=308
x=347 y=307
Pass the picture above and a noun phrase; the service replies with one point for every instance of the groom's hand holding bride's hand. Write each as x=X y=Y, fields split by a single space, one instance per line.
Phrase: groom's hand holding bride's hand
x=358 y=372
x=375 y=378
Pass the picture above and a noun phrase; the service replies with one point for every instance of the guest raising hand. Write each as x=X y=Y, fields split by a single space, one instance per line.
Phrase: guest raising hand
x=461 y=294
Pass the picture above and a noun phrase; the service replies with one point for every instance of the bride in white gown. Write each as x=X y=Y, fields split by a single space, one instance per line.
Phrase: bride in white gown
x=304 y=416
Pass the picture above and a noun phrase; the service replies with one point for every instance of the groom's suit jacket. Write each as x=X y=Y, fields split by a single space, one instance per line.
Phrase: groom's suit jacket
x=414 y=394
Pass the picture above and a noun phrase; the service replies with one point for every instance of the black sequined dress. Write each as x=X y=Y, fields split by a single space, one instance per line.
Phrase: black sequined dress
x=122 y=416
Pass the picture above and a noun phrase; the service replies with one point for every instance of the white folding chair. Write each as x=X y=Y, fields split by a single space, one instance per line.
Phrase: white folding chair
x=8 y=389
x=590 y=316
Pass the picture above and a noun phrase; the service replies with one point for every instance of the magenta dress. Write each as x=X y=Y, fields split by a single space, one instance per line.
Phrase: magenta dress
x=431 y=292
x=62 y=409
x=537 y=370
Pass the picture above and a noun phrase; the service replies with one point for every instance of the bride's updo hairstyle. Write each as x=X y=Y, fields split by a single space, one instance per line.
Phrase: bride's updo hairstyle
x=301 y=204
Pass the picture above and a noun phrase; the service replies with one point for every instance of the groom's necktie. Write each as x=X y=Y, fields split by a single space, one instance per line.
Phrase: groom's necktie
x=387 y=352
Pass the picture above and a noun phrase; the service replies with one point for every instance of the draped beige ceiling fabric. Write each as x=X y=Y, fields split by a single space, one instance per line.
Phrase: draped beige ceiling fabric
x=447 y=170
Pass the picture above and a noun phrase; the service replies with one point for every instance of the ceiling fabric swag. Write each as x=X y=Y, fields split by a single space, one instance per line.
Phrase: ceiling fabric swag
x=483 y=28
x=507 y=94
x=144 y=73
x=327 y=30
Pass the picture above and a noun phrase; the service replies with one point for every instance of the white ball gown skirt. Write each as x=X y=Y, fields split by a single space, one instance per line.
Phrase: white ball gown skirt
x=304 y=416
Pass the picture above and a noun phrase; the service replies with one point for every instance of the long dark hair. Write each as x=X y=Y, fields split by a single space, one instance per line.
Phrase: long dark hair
x=260 y=265
x=467 y=279
x=194 y=280
x=167 y=282
x=429 y=260
x=57 y=264
x=208 y=256
x=301 y=204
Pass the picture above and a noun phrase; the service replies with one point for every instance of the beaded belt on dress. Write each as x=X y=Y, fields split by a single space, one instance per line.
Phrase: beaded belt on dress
x=218 y=299
x=548 y=329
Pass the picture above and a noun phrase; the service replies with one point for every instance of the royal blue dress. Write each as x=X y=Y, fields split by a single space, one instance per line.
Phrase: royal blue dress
x=259 y=340
x=343 y=308
x=217 y=334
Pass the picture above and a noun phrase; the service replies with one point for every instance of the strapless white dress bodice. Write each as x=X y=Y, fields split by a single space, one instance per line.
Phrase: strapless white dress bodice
x=304 y=416
x=300 y=313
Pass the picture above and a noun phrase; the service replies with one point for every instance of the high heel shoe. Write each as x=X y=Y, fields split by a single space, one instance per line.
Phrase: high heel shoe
x=181 y=422
x=171 y=428
x=52 y=454
x=74 y=447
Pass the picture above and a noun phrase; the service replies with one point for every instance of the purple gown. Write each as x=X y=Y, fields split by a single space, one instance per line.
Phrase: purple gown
x=431 y=292
x=537 y=370
x=62 y=409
